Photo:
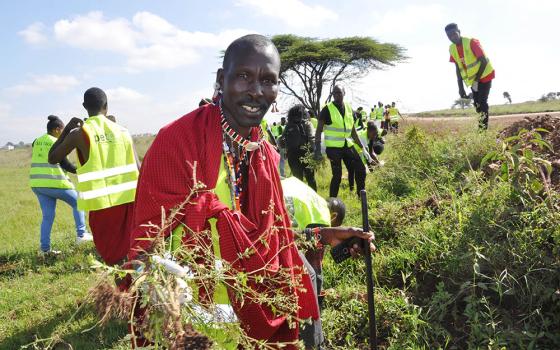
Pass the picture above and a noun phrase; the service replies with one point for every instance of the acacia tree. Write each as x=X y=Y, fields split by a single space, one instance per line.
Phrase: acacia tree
x=462 y=103
x=507 y=96
x=309 y=65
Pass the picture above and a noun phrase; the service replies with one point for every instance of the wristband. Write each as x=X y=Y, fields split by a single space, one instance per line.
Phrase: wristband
x=314 y=235
x=317 y=234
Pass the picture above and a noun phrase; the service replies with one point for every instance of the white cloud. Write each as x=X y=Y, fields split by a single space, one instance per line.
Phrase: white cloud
x=33 y=34
x=292 y=12
x=147 y=41
x=124 y=94
x=93 y=31
x=40 y=83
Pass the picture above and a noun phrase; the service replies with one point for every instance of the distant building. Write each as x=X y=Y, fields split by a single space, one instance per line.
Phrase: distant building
x=9 y=146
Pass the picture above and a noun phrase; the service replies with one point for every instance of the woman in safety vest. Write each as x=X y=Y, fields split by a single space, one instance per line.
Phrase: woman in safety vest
x=49 y=182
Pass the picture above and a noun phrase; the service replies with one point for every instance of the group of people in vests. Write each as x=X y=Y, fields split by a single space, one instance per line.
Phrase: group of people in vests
x=106 y=175
x=386 y=117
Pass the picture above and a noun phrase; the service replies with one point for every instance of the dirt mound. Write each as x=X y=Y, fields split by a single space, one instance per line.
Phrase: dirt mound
x=546 y=122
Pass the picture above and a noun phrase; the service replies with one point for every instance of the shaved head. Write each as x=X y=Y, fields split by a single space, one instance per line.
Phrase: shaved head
x=248 y=44
x=95 y=101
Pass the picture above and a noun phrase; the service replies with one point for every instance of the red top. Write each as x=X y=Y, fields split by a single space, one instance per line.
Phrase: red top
x=478 y=52
x=180 y=155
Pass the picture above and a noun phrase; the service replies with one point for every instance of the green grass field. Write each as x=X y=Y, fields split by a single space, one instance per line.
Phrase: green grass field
x=514 y=108
x=462 y=263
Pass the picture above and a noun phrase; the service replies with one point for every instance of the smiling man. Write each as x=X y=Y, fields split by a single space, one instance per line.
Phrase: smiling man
x=222 y=143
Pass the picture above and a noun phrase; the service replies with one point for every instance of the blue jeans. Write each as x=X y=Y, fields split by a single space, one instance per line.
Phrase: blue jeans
x=47 y=200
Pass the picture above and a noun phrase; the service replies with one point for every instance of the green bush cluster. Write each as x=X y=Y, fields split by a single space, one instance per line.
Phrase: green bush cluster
x=464 y=261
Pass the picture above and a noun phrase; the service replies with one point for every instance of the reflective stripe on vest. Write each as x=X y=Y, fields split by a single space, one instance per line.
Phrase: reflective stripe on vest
x=304 y=205
x=110 y=175
x=469 y=61
x=339 y=132
x=43 y=174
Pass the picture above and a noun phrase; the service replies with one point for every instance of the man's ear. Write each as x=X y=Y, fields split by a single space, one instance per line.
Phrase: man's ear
x=333 y=217
x=220 y=77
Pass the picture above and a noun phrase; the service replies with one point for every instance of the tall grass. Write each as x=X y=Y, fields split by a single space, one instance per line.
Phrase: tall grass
x=463 y=263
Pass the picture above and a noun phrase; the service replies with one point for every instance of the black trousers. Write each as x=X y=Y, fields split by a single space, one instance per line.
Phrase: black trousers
x=351 y=176
x=352 y=160
x=480 y=99
x=300 y=169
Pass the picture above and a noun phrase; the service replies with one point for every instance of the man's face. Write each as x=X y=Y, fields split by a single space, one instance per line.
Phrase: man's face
x=454 y=35
x=338 y=95
x=250 y=85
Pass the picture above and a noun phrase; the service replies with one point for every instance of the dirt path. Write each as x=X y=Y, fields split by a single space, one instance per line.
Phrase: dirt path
x=504 y=116
x=446 y=125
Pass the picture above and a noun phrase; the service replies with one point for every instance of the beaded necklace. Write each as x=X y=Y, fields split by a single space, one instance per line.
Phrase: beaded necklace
x=234 y=161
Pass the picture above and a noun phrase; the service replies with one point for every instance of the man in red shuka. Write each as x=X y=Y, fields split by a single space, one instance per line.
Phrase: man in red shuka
x=226 y=135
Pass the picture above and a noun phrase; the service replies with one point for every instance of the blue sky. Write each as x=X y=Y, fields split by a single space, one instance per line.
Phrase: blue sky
x=157 y=59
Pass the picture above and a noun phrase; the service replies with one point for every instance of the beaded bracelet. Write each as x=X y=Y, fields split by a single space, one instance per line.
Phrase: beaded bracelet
x=314 y=234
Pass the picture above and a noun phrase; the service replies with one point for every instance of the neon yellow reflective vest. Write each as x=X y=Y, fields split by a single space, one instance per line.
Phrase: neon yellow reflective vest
x=339 y=133
x=379 y=113
x=43 y=174
x=470 y=62
x=359 y=124
x=362 y=134
x=304 y=205
x=265 y=128
x=394 y=114
x=372 y=115
x=222 y=339
x=110 y=175
x=314 y=122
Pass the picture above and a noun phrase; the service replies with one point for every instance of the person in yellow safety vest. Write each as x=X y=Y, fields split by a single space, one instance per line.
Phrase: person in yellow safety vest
x=372 y=113
x=313 y=120
x=359 y=119
x=307 y=210
x=50 y=183
x=107 y=174
x=473 y=68
x=394 y=116
x=340 y=134
x=386 y=118
x=379 y=115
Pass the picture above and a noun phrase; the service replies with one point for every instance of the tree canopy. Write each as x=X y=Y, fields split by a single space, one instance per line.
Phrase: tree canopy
x=309 y=65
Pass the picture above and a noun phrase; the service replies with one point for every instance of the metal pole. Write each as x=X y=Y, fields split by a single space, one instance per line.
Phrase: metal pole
x=369 y=271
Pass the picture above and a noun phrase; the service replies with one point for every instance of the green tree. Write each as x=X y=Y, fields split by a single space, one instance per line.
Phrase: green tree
x=462 y=103
x=507 y=96
x=309 y=64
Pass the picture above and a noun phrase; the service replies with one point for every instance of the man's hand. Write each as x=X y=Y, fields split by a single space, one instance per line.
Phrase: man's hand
x=74 y=123
x=474 y=86
x=333 y=236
